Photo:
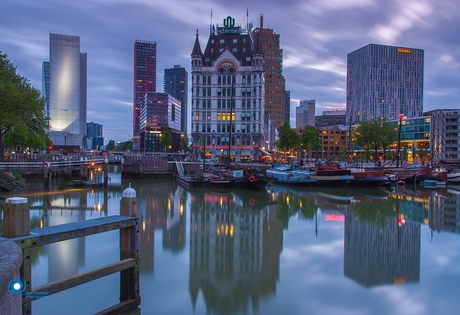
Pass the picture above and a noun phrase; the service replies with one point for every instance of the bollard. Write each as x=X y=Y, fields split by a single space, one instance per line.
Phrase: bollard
x=129 y=248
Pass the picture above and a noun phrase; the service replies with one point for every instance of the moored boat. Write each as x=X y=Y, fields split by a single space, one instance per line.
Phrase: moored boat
x=363 y=177
x=453 y=177
x=411 y=175
x=243 y=179
x=330 y=173
x=284 y=175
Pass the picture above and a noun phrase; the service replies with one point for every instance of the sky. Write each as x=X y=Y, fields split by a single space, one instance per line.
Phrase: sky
x=315 y=35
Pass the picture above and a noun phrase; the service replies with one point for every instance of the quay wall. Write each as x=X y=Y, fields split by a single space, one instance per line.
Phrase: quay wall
x=10 y=263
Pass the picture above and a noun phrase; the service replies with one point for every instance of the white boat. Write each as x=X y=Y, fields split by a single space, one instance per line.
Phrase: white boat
x=284 y=175
x=453 y=177
x=433 y=183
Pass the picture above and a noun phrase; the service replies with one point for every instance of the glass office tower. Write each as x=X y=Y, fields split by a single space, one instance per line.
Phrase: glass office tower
x=384 y=81
x=65 y=88
x=176 y=84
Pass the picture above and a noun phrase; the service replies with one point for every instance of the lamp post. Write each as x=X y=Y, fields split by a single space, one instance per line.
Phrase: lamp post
x=401 y=117
x=317 y=139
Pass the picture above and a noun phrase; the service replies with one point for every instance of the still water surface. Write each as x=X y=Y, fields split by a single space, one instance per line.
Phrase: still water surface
x=287 y=251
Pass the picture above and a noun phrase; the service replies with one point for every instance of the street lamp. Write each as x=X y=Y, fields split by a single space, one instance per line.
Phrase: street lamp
x=401 y=117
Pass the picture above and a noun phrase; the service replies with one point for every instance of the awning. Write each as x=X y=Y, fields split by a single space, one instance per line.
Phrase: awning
x=264 y=152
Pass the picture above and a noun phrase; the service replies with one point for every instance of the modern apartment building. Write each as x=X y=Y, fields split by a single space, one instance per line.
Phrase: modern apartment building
x=65 y=90
x=305 y=114
x=145 y=68
x=331 y=118
x=94 y=136
x=276 y=106
x=384 y=81
x=445 y=134
x=176 y=84
x=228 y=117
x=159 y=110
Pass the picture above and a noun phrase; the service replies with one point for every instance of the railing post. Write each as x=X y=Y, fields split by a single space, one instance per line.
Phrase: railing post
x=47 y=174
x=106 y=172
x=17 y=223
x=129 y=248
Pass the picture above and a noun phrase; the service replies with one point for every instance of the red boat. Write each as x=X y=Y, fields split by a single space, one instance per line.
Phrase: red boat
x=331 y=174
x=363 y=177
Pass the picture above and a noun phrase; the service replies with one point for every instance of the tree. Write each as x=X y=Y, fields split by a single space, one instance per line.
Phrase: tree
x=124 y=146
x=166 y=138
x=288 y=138
x=308 y=139
x=23 y=108
x=185 y=143
x=389 y=135
x=368 y=136
x=14 y=139
x=375 y=134
x=110 y=145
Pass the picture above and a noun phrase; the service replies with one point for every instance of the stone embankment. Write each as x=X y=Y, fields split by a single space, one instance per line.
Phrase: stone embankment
x=9 y=182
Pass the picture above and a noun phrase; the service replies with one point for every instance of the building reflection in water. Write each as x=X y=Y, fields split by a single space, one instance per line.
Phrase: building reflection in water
x=235 y=246
x=60 y=206
x=161 y=207
x=379 y=253
x=445 y=212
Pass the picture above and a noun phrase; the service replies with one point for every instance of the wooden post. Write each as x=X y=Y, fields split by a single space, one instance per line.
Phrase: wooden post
x=17 y=217
x=17 y=223
x=47 y=168
x=129 y=248
x=106 y=173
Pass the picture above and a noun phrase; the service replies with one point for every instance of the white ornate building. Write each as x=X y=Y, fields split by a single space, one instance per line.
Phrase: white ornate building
x=227 y=110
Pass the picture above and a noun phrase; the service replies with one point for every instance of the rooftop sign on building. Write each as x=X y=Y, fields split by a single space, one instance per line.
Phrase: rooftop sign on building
x=229 y=27
x=404 y=50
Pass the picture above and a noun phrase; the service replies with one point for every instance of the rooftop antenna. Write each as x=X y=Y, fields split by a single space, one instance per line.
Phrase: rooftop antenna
x=210 y=25
x=247 y=18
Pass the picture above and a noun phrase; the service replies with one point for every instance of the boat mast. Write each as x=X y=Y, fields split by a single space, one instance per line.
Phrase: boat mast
x=231 y=115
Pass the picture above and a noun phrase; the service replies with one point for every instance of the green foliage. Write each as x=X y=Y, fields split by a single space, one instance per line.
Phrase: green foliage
x=375 y=134
x=309 y=139
x=166 y=138
x=366 y=212
x=124 y=146
x=23 y=109
x=17 y=176
x=288 y=138
x=110 y=146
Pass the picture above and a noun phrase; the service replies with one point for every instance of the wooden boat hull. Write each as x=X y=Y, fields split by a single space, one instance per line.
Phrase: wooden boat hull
x=369 y=178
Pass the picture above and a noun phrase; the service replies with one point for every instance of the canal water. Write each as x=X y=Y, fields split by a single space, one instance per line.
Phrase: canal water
x=284 y=251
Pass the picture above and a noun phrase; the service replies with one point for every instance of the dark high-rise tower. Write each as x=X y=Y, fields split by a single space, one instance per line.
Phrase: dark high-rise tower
x=275 y=85
x=176 y=84
x=145 y=67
